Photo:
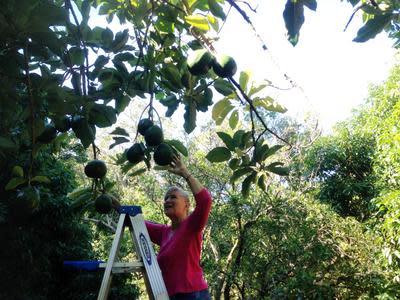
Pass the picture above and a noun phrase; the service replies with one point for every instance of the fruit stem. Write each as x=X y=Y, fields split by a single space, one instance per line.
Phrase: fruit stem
x=94 y=151
x=140 y=117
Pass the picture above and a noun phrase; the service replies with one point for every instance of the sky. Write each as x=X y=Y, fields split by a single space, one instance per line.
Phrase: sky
x=331 y=72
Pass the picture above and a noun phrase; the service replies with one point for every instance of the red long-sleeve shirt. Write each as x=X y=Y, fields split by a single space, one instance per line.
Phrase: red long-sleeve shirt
x=179 y=255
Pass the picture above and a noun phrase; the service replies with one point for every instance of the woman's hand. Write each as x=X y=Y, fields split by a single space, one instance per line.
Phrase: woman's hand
x=178 y=167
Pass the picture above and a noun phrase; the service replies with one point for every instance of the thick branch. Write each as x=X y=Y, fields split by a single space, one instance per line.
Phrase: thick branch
x=31 y=108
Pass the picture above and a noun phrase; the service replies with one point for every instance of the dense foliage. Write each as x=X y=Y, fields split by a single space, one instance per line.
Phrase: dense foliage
x=65 y=75
x=356 y=169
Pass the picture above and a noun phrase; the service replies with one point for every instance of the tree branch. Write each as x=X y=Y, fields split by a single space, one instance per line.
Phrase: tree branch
x=250 y=102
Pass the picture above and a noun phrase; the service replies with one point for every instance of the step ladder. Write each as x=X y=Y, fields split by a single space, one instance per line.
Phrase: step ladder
x=131 y=216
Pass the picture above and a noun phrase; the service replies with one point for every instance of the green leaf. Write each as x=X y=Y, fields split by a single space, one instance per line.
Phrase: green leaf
x=120 y=40
x=83 y=131
x=102 y=115
x=220 y=110
x=17 y=171
x=213 y=21
x=223 y=87
x=261 y=182
x=118 y=140
x=234 y=119
x=218 y=154
x=50 y=39
x=124 y=56
x=216 y=9
x=372 y=27
x=120 y=131
x=269 y=104
x=85 y=9
x=244 y=79
x=77 y=56
x=107 y=36
x=354 y=2
x=311 y=4
x=171 y=73
x=198 y=21
x=227 y=139
x=14 y=182
x=276 y=168
x=168 y=101
x=293 y=15
x=122 y=102
x=246 y=140
x=270 y=151
x=79 y=192
x=45 y=15
x=255 y=89
x=178 y=146
x=259 y=151
x=246 y=184
x=41 y=179
x=239 y=173
x=234 y=163
x=190 y=117
x=101 y=61
x=237 y=137
x=138 y=172
x=6 y=143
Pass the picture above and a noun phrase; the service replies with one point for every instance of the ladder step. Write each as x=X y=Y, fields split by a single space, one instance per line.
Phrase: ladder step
x=124 y=267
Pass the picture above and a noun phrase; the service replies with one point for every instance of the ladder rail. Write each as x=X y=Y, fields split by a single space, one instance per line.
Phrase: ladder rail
x=131 y=216
x=153 y=278
x=106 y=282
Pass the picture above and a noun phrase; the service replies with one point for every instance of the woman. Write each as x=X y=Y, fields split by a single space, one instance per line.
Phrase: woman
x=180 y=242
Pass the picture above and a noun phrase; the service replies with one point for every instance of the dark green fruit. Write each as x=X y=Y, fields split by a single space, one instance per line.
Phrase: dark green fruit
x=154 y=136
x=163 y=155
x=135 y=153
x=224 y=66
x=63 y=124
x=103 y=204
x=48 y=135
x=199 y=62
x=95 y=169
x=143 y=125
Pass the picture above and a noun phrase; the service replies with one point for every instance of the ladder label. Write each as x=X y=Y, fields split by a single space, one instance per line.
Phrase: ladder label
x=144 y=245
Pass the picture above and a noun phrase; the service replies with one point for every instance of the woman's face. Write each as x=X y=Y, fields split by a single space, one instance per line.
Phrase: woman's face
x=175 y=205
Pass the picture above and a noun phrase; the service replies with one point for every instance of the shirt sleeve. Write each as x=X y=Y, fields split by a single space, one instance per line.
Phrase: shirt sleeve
x=155 y=231
x=199 y=217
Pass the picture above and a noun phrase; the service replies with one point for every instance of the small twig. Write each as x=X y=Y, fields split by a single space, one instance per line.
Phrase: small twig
x=227 y=14
x=353 y=14
x=249 y=6
x=100 y=222
x=204 y=88
x=247 y=19
x=253 y=130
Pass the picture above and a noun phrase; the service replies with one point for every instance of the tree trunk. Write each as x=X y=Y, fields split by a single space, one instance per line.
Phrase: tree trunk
x=222 y=279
